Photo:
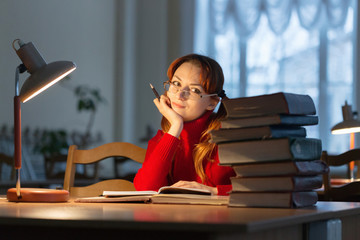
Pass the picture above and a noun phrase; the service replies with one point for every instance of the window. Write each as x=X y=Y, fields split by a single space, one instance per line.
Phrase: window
x=267 y=46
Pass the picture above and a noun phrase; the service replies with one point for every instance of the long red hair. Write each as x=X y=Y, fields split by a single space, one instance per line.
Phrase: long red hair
x=212 y=80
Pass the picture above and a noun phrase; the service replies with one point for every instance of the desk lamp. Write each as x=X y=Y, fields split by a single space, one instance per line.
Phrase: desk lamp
x=42 y=76
x=348 y=125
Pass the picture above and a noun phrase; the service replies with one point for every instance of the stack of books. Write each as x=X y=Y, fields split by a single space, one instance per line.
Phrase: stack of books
x=264 y=139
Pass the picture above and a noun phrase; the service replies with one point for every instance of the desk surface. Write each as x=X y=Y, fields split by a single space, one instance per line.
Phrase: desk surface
x=172 y=217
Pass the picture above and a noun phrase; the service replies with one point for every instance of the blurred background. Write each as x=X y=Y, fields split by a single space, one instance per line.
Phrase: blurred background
x=120 y=46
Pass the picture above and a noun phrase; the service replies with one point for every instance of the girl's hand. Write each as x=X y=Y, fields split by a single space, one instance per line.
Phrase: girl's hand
x=193 y=184
x=173 y=117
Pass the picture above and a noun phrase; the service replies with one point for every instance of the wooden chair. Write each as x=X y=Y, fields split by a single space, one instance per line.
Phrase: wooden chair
x=348 y=190
x=76 y=156
x=54 y=169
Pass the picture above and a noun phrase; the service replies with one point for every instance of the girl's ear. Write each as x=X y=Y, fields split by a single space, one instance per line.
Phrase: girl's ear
x=213 y=103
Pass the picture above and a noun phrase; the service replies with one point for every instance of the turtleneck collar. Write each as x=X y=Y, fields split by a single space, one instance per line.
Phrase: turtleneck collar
x=196 y=127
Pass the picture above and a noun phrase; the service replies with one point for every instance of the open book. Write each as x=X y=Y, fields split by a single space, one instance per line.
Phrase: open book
x=162 y=190
x=167 y=194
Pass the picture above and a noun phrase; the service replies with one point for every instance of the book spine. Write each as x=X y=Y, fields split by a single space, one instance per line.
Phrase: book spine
x=307 y=183
x=277 y=103
x=272 y=150
x=276 y=183
x=299 y=104
x=273 y=199
x=305 y=148
x=281 y=131
x=304 y=199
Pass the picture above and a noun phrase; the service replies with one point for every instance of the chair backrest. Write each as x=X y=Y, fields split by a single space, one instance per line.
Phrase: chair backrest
x=114 y=149
x=348 y=190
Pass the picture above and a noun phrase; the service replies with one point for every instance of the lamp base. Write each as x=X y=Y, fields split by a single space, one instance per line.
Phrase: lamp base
x=37 y=195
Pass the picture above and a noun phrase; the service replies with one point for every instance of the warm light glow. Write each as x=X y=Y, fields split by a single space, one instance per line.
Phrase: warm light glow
x=352 y=140
x=49 y=84
x=352 y=163
x=346 y=130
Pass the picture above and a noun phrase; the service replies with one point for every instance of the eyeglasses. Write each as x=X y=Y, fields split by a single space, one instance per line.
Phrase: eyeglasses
x=192 y=94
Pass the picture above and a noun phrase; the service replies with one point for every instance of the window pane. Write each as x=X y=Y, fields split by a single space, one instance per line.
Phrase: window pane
x=288 y=63
x=340 y=80
x=227 y=53
x=282 y=63
x=293 y=62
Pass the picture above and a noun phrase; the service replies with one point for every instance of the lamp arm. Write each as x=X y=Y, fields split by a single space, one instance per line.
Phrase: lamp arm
x=17 y=118
x=17 y=132
x=20 y=69
x=17 y=129
x=17 y=81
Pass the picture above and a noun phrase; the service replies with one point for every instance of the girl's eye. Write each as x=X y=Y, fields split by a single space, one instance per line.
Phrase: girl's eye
x=176 y=83
x=195 y=90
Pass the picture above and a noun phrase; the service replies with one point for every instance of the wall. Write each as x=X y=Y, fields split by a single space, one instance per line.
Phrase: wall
x=119 y=46
x=153 y=34
x=81 y=31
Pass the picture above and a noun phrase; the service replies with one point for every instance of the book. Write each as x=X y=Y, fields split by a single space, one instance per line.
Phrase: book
x=123 y=199
x=273 y=199
x=299 y=168
x=168 y=198
x=281 y=149
x=190 y=199
x=276 y=183
x=162 y=190
x=262 y=132
x=166 y=194
x=274 y=119
x=276 y=103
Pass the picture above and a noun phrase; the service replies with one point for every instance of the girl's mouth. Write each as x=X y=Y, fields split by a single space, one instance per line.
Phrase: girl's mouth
x=174 y=104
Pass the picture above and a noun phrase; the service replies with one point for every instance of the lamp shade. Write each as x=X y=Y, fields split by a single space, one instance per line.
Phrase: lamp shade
x=42 y=75
x=349 y=125
x=44 y=78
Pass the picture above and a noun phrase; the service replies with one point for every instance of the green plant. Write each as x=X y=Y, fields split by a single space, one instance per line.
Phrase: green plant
x=52 y=143
x=56 y=142
x=88 y=100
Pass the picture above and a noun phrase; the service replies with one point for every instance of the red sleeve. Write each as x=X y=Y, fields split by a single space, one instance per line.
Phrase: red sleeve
x=154 y=171
x=219 y=175
x=224 y=189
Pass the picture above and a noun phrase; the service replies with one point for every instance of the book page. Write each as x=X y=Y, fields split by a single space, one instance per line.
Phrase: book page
x=113 y=199
x=165 y=189
x=170 y=189
x=127 y=193
x=190 y=199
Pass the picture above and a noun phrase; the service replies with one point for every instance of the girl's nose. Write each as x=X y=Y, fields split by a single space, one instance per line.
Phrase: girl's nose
x=181 y=94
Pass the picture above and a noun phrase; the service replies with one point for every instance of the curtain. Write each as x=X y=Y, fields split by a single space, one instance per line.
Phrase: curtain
x=246 y=14
x=256 y=62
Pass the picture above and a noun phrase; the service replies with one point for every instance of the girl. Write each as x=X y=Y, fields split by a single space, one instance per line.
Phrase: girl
x=180 y=154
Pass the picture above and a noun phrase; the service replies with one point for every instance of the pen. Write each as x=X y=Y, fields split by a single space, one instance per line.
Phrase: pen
x=155 y=92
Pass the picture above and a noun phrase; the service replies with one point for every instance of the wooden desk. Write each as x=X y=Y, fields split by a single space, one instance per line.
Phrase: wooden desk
x=157 y=221
x=41 y=183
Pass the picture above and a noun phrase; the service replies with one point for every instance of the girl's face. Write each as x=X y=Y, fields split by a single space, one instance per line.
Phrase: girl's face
x=186 y=78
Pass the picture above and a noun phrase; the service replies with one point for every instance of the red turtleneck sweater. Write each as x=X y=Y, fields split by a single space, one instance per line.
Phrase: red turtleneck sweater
x=158 y=161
